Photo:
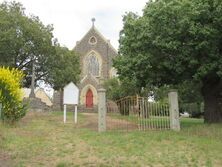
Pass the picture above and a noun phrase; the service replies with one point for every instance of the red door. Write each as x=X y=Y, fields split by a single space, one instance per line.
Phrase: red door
x=89 y=99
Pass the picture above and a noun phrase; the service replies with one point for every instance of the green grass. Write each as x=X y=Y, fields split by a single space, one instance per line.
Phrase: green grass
x=43 y=140
x=155 y=122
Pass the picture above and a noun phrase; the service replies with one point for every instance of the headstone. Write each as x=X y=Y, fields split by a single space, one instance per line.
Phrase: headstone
x=58 y=100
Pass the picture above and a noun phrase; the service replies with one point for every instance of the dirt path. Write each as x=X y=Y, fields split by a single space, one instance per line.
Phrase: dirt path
x=5 y=160
x=91 y=122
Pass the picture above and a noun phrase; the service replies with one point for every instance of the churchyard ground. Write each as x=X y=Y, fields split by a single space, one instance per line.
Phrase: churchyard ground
x=42 y=139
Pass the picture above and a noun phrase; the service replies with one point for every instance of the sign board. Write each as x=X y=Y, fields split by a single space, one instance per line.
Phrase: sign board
x=71 y=94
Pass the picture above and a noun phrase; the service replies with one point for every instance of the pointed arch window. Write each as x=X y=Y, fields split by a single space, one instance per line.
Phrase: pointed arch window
x=93 y=64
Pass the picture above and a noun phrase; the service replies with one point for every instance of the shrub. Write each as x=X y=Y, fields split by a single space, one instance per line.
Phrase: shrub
x=116 y=89
x=11 y=95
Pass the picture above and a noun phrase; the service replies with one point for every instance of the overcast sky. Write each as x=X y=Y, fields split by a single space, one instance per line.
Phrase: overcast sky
x=71 y=19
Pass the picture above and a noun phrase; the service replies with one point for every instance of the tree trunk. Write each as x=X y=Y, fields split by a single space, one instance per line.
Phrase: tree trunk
x=211 y=91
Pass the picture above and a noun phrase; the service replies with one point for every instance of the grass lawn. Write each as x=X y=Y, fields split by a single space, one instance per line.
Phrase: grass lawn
x=157 y=122
x=41 y=139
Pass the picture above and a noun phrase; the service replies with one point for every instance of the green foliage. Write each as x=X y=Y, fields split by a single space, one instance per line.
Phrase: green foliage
x=11 y=95
x=24 y=39
x=112 y=87
x=65 y=68
x=175 y=41
x=116 y=89
x=189 y=92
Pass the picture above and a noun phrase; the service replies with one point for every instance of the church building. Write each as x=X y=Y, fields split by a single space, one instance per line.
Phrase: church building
x=96 y=55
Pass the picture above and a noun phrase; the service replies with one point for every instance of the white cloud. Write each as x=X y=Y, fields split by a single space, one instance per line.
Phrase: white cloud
x=71 y=18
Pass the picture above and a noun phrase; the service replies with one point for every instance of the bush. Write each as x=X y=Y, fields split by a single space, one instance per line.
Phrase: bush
x=116 y=89
x=11 y=95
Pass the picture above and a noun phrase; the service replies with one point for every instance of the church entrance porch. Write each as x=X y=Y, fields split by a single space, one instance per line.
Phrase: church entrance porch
x=89 y=99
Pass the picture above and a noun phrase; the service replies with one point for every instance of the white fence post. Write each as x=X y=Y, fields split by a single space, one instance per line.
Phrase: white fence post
x=174 y=110
x=102 y=110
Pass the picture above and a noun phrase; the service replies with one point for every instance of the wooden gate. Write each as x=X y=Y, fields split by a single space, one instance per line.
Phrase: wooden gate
x=137 y=113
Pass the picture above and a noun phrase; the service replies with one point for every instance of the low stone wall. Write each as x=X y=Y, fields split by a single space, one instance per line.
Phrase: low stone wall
x=36 y=105
x=82 y=108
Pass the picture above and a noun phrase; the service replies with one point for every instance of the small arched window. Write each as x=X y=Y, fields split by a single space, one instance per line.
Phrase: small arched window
x=93 y=64
x=92 y=40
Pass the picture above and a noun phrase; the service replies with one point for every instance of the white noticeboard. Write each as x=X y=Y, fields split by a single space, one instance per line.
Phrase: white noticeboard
x=71 y=96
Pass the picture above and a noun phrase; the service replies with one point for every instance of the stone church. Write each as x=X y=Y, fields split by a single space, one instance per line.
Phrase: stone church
x=96 y=55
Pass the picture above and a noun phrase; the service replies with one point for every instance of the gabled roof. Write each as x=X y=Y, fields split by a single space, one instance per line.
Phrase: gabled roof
x=93 y=28
x=71 y=85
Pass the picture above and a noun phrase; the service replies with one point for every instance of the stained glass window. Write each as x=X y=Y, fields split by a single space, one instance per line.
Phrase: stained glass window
x=93 y=64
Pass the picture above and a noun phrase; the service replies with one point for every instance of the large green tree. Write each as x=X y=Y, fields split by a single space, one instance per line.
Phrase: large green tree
x=24 y=40
x=176 y=41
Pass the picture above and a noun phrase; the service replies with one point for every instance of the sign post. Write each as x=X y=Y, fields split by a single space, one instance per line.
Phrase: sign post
x=75 y=118
x=71 y=96
x=64 y=114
